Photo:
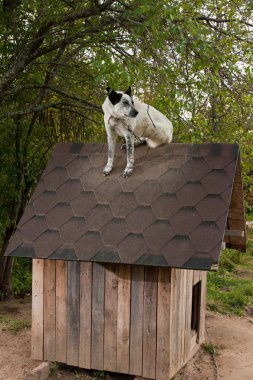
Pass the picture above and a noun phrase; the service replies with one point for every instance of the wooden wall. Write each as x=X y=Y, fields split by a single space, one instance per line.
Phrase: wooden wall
x=120 y=318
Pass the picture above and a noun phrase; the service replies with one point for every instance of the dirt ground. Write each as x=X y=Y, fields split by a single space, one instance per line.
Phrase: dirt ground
x=232 y=336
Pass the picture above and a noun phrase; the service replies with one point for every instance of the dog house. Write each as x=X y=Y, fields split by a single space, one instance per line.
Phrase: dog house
x=119 y=264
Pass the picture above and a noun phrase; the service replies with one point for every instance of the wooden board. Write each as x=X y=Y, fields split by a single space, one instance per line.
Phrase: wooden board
x=136 y=325
x=111 y=311
x=123 y=318
x=37 y=309
x=163 y=324
x=73 y=313
x=97 y=330
x=149 y=322
x=61 y=311
x=85 y=315
x=49 y=310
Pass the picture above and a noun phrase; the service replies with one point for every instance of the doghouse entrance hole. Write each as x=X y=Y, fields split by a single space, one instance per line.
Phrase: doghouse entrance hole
x=196 y=293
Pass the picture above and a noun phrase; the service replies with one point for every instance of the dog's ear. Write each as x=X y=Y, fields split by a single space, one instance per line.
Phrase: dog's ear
x=114 y=97
x=128 y=91
x=108 y=89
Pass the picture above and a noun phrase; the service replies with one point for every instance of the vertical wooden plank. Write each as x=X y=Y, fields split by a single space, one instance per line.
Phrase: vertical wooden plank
x=111 y=310
x=136 y=324
x=73 y=313
x=188 y=313
x=85 y=315
x=163 y=324
x=61 y=311
x=49 y=310
x=123 y=321
x=173 y=323
x=201 y=334
x=149 y=322
x=37 y=309
x=97 y=345
x=183 y=319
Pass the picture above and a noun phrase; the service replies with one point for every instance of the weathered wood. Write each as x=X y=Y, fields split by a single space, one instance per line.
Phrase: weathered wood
x=73 y=313
x=234 y=233
x=123 y=320
x=61 y=311
x=37 y=309
x=149 y=322
x=136 y=326
x=49 y=310
x=97 y=329
x=163 y=324
x=201 y=334
x=85 y=315
x=188 y=306
x=111 y=314
x=173 y=322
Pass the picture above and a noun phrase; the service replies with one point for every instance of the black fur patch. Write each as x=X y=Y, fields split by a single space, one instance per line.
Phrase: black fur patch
x=115 y=97
x=128 y=91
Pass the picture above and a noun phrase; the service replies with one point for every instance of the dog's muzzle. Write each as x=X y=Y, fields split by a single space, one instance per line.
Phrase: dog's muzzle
x=133 y=113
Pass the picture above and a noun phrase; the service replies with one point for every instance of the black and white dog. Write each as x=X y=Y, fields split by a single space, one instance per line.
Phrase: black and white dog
x=132 y=119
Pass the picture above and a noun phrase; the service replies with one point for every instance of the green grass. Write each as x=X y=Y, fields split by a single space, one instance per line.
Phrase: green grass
x=210 y=348
x=230 y=289
x=13 y=325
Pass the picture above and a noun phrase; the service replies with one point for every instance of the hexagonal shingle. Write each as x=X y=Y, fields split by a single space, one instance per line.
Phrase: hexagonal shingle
x=123 y=204
x=211 y=208
x=108 y=190
x=73 y=229
x=154 y=167
x=98 y=217
x=78 y=167
x=172 y=180
x=195 y=169
x=178 y=250
x=131 y=248
x=158 y=234
x=191 y=193
x=206 y=236
x=92 y=179
x=216 y=181
x=44 y=202
x=148 y=192
x=166 y=205
x=69 y=190
x=114 y=231
x=47 y=243
x=88 y=245
x=58 y=215
x=83 y=203
x=140 y=219
x=33 y=228
x=185 y=221
x=55 y=178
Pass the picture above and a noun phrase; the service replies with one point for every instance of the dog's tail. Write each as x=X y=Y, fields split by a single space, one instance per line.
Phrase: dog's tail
x=153 y=143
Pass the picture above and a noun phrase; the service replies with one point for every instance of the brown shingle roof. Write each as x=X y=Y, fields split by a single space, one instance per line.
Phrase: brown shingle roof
x=172 y=211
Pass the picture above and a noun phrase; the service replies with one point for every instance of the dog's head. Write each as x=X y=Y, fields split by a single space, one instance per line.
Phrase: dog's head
x=122 y=103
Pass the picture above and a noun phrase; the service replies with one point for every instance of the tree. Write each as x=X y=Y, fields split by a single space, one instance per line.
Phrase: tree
x=191 y=60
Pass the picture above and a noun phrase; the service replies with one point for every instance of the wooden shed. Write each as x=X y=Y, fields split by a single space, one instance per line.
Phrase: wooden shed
x=119 y=264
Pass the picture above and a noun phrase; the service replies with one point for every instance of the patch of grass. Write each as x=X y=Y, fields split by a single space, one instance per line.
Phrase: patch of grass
x=210 y=348
x=22 y=276
x=230 y=289
x=13 y=325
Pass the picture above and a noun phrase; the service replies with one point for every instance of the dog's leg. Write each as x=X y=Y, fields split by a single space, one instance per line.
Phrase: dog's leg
x=137 y=143
x=111 y=138
x=130 y=155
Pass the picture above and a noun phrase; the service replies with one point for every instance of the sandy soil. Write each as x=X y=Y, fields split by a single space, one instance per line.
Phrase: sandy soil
x=232 y=336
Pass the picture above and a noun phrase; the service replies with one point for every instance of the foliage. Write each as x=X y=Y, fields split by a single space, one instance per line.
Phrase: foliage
x=22 y=276
x=192 y=60
x=230 y=289
x=13 y=325
x=210 y=348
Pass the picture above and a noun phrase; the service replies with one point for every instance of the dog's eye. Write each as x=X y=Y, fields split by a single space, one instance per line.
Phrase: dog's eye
x=132 y=102
x=125 y=102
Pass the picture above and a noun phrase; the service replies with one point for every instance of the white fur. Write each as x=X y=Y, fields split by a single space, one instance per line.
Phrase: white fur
x=156 y=129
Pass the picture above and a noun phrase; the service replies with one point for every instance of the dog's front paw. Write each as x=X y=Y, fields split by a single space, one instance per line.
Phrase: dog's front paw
x=127 y=173
x=107 y=170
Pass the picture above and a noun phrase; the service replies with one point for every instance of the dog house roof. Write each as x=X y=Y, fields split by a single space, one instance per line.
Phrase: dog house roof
x=180 y=204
